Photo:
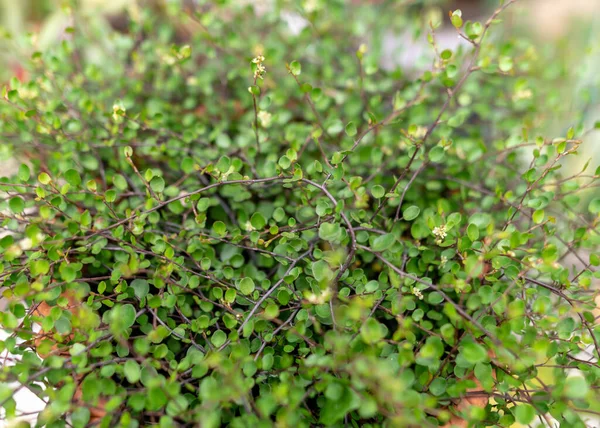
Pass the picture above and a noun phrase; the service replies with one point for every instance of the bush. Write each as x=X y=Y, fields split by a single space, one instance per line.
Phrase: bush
x=218 y=222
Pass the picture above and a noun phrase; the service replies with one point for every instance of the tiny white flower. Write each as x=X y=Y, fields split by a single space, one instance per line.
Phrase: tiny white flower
x=417 y=293
x=419 y=132
x=118 y=110
x=265 y=118
x=440 y=233
x=260 y=70
x=183 y=200
x=522 y=94
x=14 y=251
x=443 y=261
x=26 y=244
x=319 y=299
x=311 y=6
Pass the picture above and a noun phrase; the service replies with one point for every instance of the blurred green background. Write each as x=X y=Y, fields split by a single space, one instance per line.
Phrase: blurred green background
x=565 y=32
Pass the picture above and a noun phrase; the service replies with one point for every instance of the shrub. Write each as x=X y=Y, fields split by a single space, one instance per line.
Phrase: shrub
x=219 y=222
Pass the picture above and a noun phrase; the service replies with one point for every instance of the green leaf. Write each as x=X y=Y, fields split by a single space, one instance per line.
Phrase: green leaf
x=68 y=272
x=258 y=221
x=321 y=271
x=62 y=325
x=220 y=228
x=16 y=205
x=271 y=311
x=474 y=29
x=473 y=232
x=456 y=18
x=372 y=331
x=484 y=373
x=132 y=371
x=72 y=177
x=351 y=129
x=120 y=182
x=157 y=184
x=224 y=164
x=140 y=288
x=230 y=295
x=6 y=391
x=473 y=352
x=80 y=417
x=576 y=387
x=39 y=267
x=218 y=338
x=594 y=206
x=110 y=195
x=411 y=213
x=122 y=317
x=44 y=178
x=435 y=298
x=505 y=64
x=330 y=232
x=524 y=413
x=279 y=214
x=205 y=263
x=538 y=216
x=486 y=293
x=377 y=191
x=187 y=165
x=284 y=162
x=383 y=242
x=24 y=172
x=157 y=398
x=453 y=220
x=246 y=285
x=438 y=386
x=267 y=361
x=295 y=68
x=437 y=154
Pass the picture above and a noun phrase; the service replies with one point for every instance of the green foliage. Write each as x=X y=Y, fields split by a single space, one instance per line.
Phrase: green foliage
x=249 y=228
